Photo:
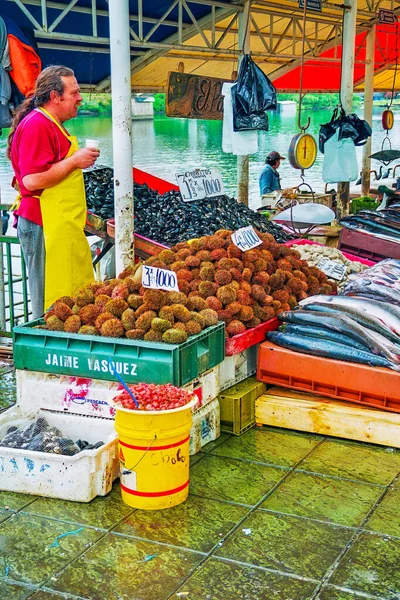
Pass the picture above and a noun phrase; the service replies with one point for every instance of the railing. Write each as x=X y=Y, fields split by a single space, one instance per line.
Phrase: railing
x=14 y=297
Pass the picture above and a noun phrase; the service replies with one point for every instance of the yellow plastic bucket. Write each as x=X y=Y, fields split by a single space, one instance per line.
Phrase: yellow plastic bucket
x=154 y=456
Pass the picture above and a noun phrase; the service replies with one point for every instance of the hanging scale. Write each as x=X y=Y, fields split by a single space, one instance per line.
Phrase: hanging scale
x=303 y=147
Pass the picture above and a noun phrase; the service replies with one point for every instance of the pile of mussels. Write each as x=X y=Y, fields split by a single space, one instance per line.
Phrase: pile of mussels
x=167 y=219
x=41 y=437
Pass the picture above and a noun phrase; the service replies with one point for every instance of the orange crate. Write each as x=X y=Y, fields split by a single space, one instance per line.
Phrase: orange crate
x=371 y=386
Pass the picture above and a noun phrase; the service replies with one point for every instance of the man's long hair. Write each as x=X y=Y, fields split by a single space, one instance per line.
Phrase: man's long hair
x=49 y=80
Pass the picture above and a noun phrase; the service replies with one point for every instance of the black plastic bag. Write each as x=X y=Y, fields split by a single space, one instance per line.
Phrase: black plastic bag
x=327 y=130
x=350 y=126
x=252 y=95
x=355 y=128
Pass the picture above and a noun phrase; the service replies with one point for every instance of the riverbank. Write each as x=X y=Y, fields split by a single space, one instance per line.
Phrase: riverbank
x=99 y=105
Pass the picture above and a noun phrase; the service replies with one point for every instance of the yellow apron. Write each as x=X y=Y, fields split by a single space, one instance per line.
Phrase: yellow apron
x=68 y=265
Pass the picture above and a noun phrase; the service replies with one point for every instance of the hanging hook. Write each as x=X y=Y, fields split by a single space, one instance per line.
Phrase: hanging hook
x=388 y=106
x=301 y=127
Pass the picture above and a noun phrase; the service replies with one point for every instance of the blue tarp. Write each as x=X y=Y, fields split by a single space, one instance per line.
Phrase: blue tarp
x=92 y=67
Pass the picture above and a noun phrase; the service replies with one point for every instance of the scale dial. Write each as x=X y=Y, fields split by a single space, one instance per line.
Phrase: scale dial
x=387 y=119
x=302 y=151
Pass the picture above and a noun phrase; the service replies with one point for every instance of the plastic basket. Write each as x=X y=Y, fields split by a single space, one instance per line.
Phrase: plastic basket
x=135 y=360
x=80 y=478
x=253 y=336
x=371 y=386
x=238 y=406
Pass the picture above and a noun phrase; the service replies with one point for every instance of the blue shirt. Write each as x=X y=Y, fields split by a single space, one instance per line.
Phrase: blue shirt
x=269 y=180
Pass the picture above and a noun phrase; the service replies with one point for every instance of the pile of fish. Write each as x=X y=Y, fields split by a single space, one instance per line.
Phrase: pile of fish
x=39 y=436
x=384 y=224
x=380 y=282
x=167 y=219
x=347 y=328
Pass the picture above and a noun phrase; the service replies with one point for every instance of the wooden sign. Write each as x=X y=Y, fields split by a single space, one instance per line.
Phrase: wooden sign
x=194 y=96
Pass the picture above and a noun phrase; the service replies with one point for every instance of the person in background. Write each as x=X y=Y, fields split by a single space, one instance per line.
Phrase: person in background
x=51 y=206
x=269 y=179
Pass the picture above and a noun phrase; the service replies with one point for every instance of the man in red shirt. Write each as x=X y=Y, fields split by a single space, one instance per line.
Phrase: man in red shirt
x=52 y=204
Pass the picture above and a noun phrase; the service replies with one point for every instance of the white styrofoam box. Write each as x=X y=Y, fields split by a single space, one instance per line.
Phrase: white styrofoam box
x=80 y=478
x=206 y=387
x=84 y=396
x=76 y=395
x=238 y=367
x=206 y=426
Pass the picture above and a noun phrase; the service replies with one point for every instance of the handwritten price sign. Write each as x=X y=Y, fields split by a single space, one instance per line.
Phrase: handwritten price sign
x=159 y=279
x=246 y=238
x=199 y=184
x=332 y=269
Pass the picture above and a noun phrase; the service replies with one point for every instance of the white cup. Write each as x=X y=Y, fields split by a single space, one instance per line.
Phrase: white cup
x=92 y=144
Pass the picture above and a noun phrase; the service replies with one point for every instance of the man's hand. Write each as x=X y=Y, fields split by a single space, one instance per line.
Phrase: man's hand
x=81 y=159
x=86 y=157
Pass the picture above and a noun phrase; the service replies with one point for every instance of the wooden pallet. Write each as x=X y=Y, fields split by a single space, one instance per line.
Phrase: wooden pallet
x=289 y=409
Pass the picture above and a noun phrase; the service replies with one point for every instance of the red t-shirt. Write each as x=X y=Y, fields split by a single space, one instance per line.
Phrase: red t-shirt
x=37 y=144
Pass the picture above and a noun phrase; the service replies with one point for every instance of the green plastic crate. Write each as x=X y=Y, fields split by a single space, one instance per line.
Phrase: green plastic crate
x=135 y=360
x=237 y=405
x=363 y=203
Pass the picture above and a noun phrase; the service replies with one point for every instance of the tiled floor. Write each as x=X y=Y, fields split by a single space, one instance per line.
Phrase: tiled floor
x=272 y=515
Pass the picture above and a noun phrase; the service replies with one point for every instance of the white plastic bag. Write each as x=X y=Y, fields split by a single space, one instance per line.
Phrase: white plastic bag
x=340 y=161
x=235 y=142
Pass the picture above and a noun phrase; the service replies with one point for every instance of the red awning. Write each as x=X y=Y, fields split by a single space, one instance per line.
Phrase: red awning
x=321 y=76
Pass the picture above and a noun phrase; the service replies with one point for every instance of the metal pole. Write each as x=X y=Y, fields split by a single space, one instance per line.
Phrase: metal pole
x=2 y=291
x=243 y=161
x=346 y=87
x=122 y=131
x=368 y=98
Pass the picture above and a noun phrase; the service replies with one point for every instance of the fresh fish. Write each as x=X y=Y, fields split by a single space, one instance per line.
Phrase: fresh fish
x=369 y=229
x=367 y=288
x=383 y=219
x=369 y=323
x=325 y=334
x=328 y=349
x=384 y=314
x=340 y=323
x=371 y=226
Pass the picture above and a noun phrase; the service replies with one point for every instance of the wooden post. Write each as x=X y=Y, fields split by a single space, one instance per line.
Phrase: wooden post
x=368 y=99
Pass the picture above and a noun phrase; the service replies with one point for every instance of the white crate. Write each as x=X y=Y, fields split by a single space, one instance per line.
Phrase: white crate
x=80 y=478
x=237 y=367
x=76 y=395
x=83 y=396
x=206 y=426
x=206 y=387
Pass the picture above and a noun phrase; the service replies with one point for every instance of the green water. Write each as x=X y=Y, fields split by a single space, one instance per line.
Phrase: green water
x=165 y=146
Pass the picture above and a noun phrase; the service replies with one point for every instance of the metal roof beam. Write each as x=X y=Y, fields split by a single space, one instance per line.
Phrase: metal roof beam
x=335 y=11
x=79 y=48
x=100 y=12
x=260 y=56
x=172 y=42
x=28 y=14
